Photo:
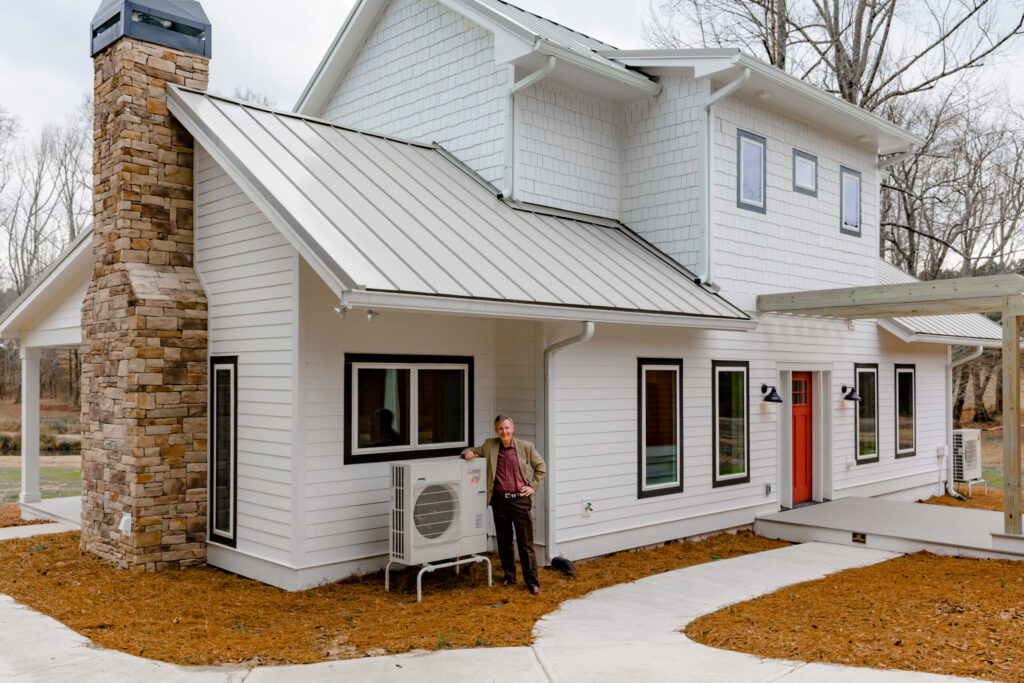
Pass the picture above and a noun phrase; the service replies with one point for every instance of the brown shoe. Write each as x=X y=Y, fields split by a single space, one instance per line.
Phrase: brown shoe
x=535 y=590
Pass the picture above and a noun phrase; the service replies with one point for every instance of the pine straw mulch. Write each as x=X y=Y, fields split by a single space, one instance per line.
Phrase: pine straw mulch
x=10 y=515
x=920 y=612
x=207 y=616
x=993 y=500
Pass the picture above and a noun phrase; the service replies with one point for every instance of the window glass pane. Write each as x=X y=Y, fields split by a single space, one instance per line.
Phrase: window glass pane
x=383 y=407
x=752 y=182
x=222 y=449
x=851 y=200
x=905 y=410
x=441 y=406
x=732 y=419
x=661 y=427
x=806 y=172
x=867 y=414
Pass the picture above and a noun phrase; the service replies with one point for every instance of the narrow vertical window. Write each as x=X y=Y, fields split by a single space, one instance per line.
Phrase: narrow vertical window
x=730 y=422
x=849 y=201
x=867 y=412
x=660 y=443
x=223 y=446
x=905 y=411
x=805 y=173
x=751 y=171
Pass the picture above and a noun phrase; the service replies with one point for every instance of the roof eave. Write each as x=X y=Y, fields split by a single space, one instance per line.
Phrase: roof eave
x=906 y=335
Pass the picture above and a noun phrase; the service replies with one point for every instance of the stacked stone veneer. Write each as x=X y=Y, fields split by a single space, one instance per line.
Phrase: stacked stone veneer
x=144 y=371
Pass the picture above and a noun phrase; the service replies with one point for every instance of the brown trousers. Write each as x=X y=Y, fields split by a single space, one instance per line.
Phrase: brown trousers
x=515 y=514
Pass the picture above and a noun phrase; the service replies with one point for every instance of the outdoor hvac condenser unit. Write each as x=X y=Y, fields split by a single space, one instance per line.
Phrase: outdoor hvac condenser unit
x=438 y=512
x=966 y=454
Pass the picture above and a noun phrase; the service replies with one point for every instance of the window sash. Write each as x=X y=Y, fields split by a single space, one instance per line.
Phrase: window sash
x=751 y=146
x=229 y=450
x=414 y=444
x=849 y=200
x=743 y=372
x=675 y=421
x=911 y=373
x=864 y=372
x=806 y=162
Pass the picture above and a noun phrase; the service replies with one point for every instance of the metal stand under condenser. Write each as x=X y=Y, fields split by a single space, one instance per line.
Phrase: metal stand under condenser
x=434 y=567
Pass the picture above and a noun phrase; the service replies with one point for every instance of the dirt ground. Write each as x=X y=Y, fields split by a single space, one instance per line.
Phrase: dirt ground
x=979 y=500
x=10 y=515
x=921 y=612
x=219 y=618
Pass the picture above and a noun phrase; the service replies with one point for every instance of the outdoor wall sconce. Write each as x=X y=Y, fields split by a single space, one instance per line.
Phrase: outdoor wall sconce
x=850 y=394
x=772 y=395
x=342 y=310
x=371 y=316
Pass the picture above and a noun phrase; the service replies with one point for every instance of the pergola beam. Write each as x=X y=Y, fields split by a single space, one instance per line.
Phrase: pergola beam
x=1011 y=417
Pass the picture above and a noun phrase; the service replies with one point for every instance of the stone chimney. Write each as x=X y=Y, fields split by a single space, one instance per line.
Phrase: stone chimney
x=144 y=339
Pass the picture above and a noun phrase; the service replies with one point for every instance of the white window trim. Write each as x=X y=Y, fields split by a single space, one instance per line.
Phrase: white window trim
x=413 y=444
x=850 y=228
x=872 y=457
x=746 y=423
x=913 y=417
x=799 y=156
x=232 y=450
x=643 y=427
x=742 y=137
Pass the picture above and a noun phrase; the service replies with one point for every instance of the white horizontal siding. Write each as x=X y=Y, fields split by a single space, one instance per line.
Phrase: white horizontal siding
x=250 y=273
x=63 y=323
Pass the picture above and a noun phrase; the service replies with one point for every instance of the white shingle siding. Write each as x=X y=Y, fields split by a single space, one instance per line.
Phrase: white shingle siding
x=796 y=244
x=428 y=74
x=250 y=275
x=568 y=149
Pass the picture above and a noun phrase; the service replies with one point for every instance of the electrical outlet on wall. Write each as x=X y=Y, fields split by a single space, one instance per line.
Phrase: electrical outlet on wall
x=588 y=508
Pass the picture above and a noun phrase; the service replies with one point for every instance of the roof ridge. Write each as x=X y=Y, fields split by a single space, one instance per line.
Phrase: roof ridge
x=555 y=23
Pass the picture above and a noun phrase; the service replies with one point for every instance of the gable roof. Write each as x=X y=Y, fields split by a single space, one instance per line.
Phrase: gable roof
x=969 y=329
x=391 y=223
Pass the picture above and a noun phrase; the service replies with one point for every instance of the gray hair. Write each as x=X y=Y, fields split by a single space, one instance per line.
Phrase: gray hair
x=501 y=418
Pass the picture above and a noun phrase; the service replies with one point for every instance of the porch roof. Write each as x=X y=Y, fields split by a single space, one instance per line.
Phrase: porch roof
x=392 y=223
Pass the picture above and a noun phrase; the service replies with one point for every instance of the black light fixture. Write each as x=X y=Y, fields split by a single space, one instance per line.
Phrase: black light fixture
x=772 y=395
x=850 y=393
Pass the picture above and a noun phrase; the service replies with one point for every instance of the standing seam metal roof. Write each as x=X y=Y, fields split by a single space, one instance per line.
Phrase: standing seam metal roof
x=389 y=215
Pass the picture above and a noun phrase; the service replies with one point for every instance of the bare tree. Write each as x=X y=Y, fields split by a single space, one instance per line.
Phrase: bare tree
x=257 y=97
x=71 y=167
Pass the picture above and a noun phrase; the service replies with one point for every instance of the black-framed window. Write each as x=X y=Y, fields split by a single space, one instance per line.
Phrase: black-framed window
x=402 y=407
x=849 y=201
x=866 y=381
x=223 y=473
x=805 y=173
x=731 y=422
x=751 y=171
x=906 y=410
x=660 y=426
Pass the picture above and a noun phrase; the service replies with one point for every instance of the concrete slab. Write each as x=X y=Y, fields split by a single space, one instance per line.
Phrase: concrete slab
x=28 y=531
x=67 y=510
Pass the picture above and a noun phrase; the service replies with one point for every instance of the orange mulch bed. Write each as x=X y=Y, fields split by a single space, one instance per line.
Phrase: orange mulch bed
x=10 y=515
x=207 y=616
x=993 y=500
x=921 y=612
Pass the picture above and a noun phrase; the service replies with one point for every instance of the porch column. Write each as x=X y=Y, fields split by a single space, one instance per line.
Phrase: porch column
x=1011 y=415
x=30 y=424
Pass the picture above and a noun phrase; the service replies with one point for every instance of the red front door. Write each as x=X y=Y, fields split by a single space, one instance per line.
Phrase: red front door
x=801 y=437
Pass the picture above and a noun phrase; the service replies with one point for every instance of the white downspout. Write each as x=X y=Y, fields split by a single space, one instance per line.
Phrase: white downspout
x=549 y=428
x=950 y=366
x=508 y=190
x=704 y=275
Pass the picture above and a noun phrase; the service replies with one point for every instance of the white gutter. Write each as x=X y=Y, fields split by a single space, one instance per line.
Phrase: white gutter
x=704 y=274
x=950 y=366
x=508 y=189
x=550 y=526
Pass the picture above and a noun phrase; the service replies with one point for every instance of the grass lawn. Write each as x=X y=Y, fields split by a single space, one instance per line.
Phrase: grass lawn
x=54 y=482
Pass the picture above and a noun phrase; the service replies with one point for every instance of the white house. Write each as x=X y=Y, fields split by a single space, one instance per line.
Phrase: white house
x=463 y=188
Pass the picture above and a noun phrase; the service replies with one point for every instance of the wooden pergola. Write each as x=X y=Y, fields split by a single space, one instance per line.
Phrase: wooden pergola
x=996 y=293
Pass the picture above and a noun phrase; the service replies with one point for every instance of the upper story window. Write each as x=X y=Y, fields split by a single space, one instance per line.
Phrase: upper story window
x=406 y=406
x=805 y=173
x=730 y=423
x=849 y=201
x=660 y=459
x=751 y=171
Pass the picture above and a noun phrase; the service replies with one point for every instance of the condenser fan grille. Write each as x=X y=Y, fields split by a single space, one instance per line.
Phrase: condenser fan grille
x=436 y=510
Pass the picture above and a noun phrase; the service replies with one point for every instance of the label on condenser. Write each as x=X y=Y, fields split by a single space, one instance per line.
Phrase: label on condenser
x=479 y=521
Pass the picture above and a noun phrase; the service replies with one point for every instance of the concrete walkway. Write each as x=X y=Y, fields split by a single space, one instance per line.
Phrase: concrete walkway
x=629 y=632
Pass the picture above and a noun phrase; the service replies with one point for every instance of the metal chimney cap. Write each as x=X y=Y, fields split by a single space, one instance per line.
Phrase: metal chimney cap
x=179 y=24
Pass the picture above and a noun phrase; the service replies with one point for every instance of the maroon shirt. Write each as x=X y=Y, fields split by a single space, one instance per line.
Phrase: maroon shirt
x=508 y=478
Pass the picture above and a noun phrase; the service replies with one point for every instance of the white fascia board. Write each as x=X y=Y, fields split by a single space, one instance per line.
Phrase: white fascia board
x=426 y=303
x=644 y=86
x=54 y=280
x=339 y=56
x=905 y=335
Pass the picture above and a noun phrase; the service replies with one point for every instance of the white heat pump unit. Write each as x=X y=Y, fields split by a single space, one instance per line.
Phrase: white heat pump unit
x=438 y=508
x=966 y=454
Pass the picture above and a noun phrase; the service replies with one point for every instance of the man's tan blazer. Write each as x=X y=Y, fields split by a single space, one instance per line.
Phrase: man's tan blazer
x=531 y=465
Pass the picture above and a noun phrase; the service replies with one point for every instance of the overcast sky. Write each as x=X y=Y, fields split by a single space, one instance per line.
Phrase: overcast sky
x=268 y=45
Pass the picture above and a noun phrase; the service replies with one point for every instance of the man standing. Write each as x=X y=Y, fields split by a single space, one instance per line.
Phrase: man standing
x=514 y=471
